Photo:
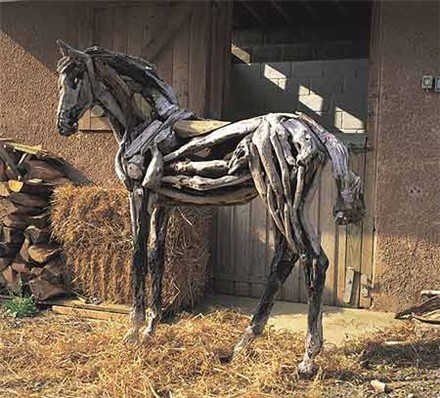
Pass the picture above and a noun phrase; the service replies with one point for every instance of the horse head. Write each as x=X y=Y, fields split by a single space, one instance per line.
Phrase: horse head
x=75 y=87
x=350 y=206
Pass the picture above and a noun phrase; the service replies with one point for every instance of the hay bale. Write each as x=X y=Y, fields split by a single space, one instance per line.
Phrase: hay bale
x=93 y=224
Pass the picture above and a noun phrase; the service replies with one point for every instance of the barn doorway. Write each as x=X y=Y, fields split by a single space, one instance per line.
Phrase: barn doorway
x=312 y=57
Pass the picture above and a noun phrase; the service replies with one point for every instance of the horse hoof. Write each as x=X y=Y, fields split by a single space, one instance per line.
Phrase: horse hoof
x=132 y=337
x=246 y=339
x=307 y=368
x=147 y=336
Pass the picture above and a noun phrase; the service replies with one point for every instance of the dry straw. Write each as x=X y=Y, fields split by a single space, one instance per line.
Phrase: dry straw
x=53 y=356
x=93 y=224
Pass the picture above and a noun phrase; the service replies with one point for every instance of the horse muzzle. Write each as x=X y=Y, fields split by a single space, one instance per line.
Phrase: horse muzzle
x=66 y=128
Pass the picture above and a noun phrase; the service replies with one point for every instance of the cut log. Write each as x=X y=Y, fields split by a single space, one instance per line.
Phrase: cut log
x=41 y=170
x=24 y=250
x=36 y=186
x=3 y=176
x=37 y=235
x=16 y=221
x=5 y=262
x=4 y=190
x=21 y=267
x=13 y=208
x=42 y=289
x=12 y=278
x=53 y=272
x=43 y=252
x=11 y=235
x=39 y=221
x=28 y=200
x=36 y=271
x=8 y=249
x=10 y=159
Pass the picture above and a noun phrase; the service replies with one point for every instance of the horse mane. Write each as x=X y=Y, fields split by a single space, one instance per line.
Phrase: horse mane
x=136 y=68
x=338 y=154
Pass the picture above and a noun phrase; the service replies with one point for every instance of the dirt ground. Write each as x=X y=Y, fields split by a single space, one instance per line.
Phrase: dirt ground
x=56 y=356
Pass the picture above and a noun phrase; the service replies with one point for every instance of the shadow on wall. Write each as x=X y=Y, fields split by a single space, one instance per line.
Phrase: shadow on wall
x=334 y=92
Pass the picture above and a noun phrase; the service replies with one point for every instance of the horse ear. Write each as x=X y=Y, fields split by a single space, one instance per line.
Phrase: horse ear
x=68 y=51
x=64 y=49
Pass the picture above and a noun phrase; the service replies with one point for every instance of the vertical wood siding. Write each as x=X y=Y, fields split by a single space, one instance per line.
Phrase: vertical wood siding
x=245 y=247
x=187 y=41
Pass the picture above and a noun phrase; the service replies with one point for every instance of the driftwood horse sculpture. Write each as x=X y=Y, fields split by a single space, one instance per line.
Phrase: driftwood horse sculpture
x=169 y=157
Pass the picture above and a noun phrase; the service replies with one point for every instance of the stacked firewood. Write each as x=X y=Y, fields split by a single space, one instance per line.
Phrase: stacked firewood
x=29 y=257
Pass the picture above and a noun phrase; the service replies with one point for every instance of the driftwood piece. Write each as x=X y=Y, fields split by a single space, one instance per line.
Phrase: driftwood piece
x=240 y=195
x=208 y=168
x=194 y=128
x=37 y=235
x=28 y=200
x=204 y=183
x=41 y=253
x=142 y=141
x=231 y=131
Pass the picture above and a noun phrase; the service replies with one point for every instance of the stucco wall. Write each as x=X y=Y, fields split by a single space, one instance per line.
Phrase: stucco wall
x=28 y=87
x=407 y=145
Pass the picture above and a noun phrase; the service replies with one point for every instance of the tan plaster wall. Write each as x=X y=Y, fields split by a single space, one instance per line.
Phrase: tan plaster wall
x=28 y=87
x=407 y=253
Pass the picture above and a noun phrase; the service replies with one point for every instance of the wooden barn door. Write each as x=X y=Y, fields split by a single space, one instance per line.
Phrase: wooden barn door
x=245 y=247
x=187 y=41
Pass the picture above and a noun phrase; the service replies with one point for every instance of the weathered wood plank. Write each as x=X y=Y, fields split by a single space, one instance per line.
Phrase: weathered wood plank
x=328 y=231
x=354 y=238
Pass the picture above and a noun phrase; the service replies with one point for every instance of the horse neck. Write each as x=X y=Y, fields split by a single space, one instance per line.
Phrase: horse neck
x=116 y=98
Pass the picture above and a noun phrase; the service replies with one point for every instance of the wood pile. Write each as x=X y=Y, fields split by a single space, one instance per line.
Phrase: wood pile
x=29 y=257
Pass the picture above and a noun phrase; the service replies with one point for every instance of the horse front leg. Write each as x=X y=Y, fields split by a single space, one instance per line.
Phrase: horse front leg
x=140 y=226
x=156 y=259
x=281 y=267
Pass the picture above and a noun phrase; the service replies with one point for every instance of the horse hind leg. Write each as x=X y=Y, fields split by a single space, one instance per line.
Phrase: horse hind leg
x=314 y=269
x=281 y=267
x=156 y=259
